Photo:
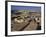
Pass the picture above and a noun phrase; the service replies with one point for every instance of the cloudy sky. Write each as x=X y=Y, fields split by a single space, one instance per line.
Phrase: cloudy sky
x=32 y=8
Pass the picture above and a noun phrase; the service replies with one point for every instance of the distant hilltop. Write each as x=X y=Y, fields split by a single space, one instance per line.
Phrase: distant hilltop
x=24 y=11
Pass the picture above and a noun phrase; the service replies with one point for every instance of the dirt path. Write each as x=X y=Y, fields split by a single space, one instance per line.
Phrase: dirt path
x=31 y=26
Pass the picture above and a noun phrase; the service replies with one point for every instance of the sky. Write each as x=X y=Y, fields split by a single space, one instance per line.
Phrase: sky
x=32 y=8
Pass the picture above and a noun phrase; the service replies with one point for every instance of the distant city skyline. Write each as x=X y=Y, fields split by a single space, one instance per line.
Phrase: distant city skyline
x=32 y=8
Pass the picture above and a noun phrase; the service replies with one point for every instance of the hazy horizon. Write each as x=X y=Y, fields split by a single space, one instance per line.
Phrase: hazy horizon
x=32 y=8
